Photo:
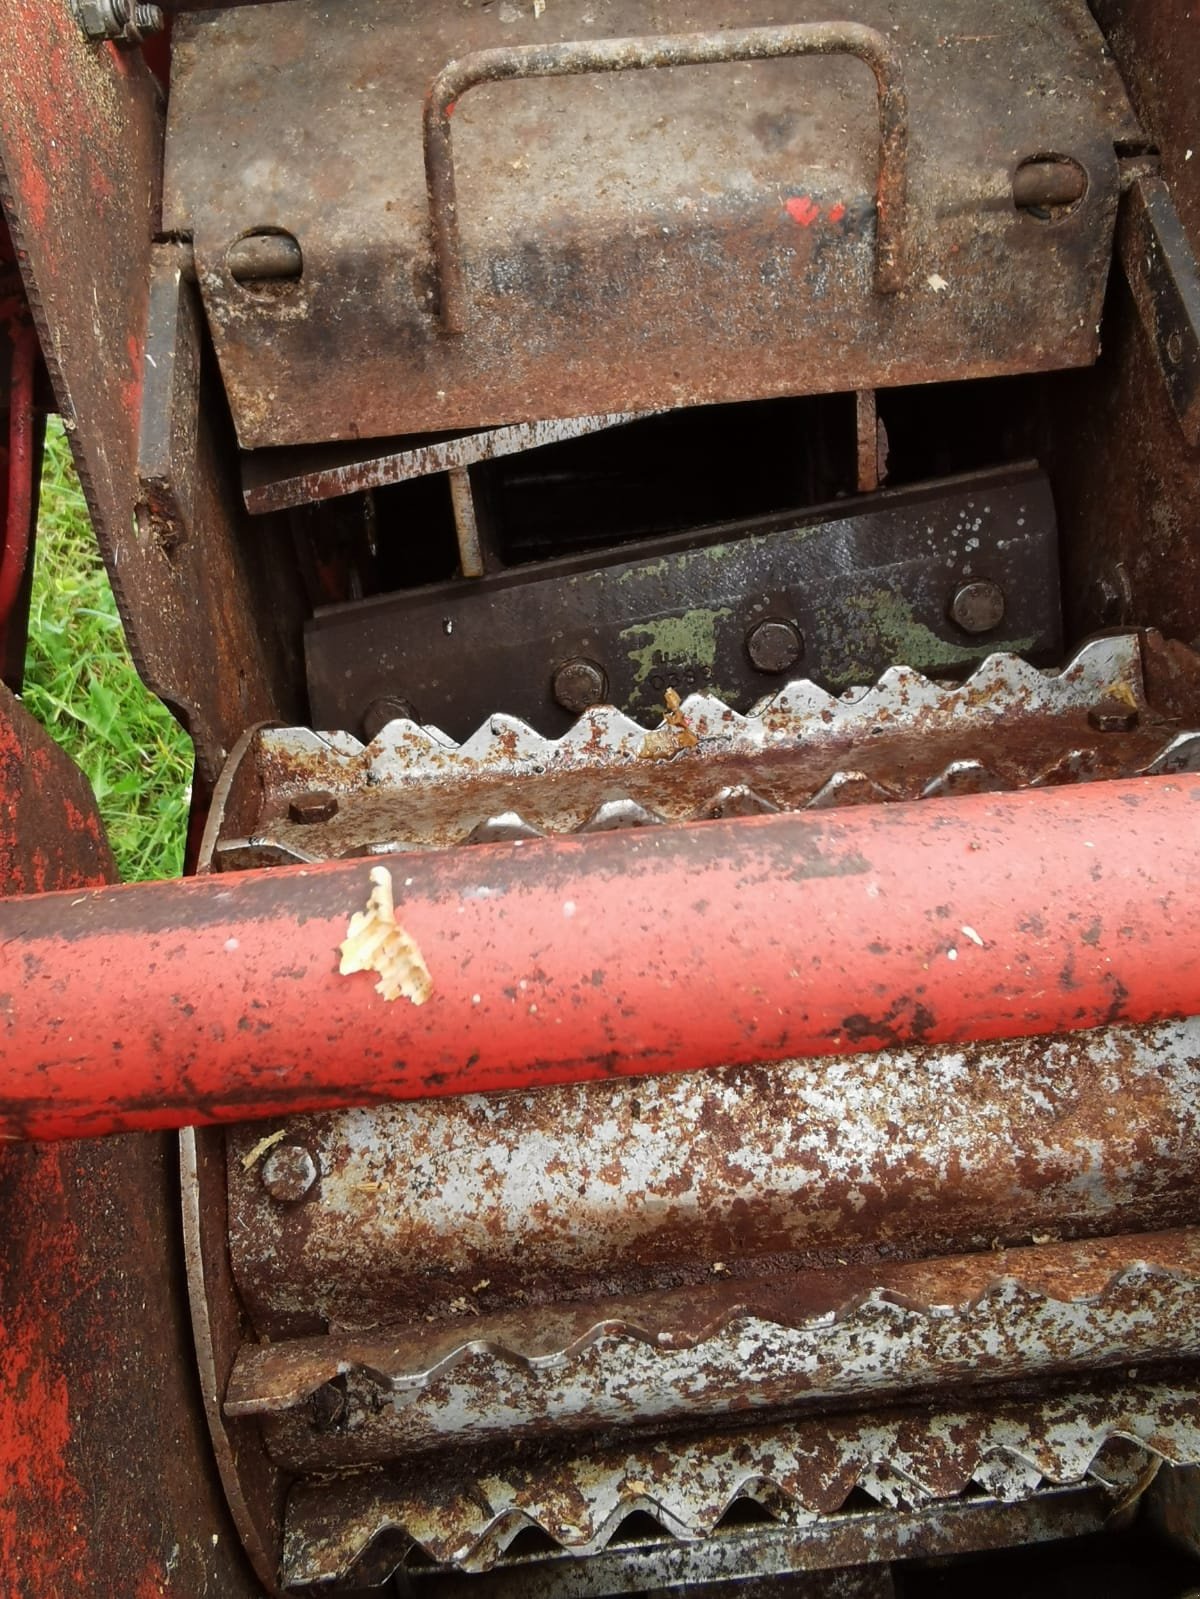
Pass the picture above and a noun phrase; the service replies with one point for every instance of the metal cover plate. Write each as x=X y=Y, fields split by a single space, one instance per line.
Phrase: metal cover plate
x=864 y=582
x=639 y=239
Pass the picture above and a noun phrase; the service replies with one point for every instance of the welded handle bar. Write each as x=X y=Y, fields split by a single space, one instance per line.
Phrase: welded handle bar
x=667 y=50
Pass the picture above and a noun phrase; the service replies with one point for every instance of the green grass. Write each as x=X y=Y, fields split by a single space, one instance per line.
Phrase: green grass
x=81 y=685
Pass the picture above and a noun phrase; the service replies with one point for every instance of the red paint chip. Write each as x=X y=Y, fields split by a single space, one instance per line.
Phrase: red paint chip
x=801 y=209
x=837 y=212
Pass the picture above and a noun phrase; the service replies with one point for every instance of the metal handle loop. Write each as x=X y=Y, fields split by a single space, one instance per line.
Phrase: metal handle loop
x=668 y=50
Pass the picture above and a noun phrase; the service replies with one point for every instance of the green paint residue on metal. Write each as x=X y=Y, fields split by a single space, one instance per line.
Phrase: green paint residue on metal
x=888 y=622
x=687 y=640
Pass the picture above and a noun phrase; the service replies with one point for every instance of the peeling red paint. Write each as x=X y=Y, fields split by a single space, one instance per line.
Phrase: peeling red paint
x=803 y=209
x=722 y=943
x=43 y=1532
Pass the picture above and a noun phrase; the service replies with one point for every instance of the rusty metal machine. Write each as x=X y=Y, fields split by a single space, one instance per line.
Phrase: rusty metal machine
x=674 y=1065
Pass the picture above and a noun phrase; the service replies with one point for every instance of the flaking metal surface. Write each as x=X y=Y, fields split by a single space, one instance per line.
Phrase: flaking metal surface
x=770 y=1562
x=640 y=240
x=274 y=480
x=487 y=1203
x=804 y=1471
x=1009 y=725
x=917 y=1330
x=80 y=171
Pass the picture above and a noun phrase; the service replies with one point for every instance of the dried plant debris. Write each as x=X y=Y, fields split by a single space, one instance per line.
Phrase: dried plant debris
x=375 y=942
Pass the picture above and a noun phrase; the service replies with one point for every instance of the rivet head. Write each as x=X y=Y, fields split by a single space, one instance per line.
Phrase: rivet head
x=288 y=1173
x=315 y=806
x=577 y=685
x=978 y=606
x=774 y=646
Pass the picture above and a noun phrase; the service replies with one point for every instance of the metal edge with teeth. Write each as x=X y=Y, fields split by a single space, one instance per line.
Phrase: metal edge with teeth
x=804 y=1471
x=1071 y=1326
x=406 y=751
x=407 y=760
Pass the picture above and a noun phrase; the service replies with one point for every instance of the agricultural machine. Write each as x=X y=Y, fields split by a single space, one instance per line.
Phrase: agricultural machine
x=673 y=1066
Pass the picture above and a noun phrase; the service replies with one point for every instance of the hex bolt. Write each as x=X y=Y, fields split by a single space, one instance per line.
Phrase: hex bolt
x=578 y=685
x=978 y=606
x=384 y=710
x=1113 y=719
x=318 y=805
x=774 y=646
x=288 y=1173
x=120 y=21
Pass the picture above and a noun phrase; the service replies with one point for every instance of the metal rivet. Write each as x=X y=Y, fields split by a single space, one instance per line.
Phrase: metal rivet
x=382 y=711
x=315 y=806
x=1113 y=719
x=288 y=1173
x=1049 y=187
x=264 y=257
x=578 y=685
x=978 y=606
x=774 y=646
x=1175 y=348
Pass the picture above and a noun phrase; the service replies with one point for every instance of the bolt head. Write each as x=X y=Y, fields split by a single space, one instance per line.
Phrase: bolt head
x=288 y=1173
x=774 y=646
x=125 y=22
x=103 y=19
x=316 y=806
x=578 y=685
x=978 y=606
x=1113 y=718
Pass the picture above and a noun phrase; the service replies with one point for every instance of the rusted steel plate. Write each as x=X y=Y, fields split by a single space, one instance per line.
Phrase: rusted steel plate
x=805 y=1470
x=22 y=430
x=482 y=1203
x=638 y=239
x=773 y=1562
x=858 y=586
x=1007 y=726
x=80 y=168
x=653 y=950
x=273 y=480
x=1157 y=50
x=254 y=1489
x=107 y=1484
x=51 y=834
x=811 y=1341
x=1163 y=275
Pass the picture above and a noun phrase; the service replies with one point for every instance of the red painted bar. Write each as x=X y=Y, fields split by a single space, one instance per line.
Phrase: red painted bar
x=656 y=950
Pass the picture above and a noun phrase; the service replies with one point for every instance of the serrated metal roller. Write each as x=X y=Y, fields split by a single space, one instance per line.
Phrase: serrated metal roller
x=750 y=1347
x=802 y=1471
x=1009 y=725
x=554 y=1195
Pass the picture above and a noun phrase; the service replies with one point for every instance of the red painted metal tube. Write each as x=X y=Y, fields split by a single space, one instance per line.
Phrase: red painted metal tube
x=657 y=950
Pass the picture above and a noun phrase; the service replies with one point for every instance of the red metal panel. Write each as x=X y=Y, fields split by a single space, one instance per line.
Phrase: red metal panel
x=106 y=1480
x=620 y=954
